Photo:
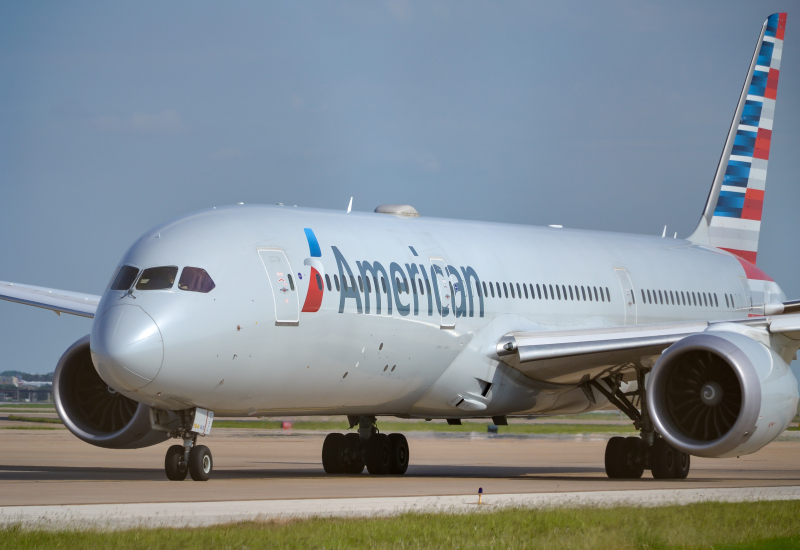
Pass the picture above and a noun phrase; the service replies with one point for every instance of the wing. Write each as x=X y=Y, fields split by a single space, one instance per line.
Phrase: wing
x=60 y=301
x=573 y=356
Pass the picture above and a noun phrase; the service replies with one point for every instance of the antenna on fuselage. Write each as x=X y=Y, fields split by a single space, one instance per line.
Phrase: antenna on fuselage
x=350 y=206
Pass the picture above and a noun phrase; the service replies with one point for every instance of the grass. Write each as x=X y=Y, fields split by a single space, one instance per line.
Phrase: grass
x=434 y=427
x=27 y=428
x=26 y=406
x=756 y=525
x=37 y=419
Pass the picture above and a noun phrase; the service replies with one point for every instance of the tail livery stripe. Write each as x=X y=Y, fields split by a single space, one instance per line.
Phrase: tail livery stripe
x=733 y=211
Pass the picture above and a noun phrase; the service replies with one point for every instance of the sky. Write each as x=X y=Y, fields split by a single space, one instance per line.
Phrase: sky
x=116 y=117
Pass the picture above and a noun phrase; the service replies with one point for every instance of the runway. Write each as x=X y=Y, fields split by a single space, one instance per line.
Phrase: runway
x=54 y=468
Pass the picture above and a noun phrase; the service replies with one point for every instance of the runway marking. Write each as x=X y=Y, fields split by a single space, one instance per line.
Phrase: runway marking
x=197 y=514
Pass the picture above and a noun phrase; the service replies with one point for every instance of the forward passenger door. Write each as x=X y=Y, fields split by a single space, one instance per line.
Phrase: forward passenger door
x=284 y=287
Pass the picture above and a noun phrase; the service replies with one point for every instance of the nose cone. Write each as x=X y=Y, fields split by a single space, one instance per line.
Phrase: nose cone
x=126 y=347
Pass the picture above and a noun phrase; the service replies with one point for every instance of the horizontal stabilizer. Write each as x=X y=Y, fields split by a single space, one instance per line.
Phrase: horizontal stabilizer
x=60 y=301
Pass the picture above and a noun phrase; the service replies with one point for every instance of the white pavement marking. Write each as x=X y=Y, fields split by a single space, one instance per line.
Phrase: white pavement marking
x=198 y=514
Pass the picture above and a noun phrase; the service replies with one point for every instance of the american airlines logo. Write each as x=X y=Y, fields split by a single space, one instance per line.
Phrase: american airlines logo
x=410 y=288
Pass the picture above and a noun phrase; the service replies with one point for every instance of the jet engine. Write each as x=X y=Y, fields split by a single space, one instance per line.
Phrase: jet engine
x=93 y=410
x=721 y=393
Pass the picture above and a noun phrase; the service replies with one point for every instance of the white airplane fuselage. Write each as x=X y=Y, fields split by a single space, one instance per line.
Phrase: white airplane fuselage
x=235 y=350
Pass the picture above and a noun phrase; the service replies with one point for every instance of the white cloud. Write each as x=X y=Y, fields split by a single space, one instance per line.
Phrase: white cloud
x=166 y=122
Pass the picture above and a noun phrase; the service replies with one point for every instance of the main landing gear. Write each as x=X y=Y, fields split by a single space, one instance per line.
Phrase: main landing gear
x=629 y=457
x=380 y=453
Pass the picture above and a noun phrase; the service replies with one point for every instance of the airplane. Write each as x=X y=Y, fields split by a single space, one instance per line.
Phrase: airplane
x=21 y=382
x=257 y=310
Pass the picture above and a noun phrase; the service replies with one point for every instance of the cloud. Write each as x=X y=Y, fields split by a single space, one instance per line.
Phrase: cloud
x=166 y=122
x=401 y=10
x=428 y=163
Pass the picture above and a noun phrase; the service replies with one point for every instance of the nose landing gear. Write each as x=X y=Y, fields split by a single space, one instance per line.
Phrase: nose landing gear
x=189 y=458
x=381 y=454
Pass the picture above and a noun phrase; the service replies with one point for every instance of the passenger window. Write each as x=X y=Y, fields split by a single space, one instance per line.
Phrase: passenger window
x=369 y=285
x=505 y=290
x=428 y=285
x=694 y=298
x=319 y=282
x=291 y=281
x=726 y=301
x=484 y=289
x=336 y=280
x=499 y=292
x=552 y=292
x=705 y=298
x=398 y=286
x=525 y=288
x=546 y=297
x=608 y=295
x=539 y=292
x=716 y=302
x=405 y=285
x=360 y=284
x=344 y=283
x=633 y=296
x=512 y=288
x=157 y=278
x=422 y=288
x=125 y=277
x=413 y=286
x=491 y=287
x=571 y=297
x=519 y=294
x=558 y=292
x=383 y=285
x=533 y=294
x=328 y=281
x=195 y=279
x=375 y=280
x=644 y=298
x=602 y=298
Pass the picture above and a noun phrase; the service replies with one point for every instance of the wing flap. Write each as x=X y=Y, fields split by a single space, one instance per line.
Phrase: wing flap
x=60 y=301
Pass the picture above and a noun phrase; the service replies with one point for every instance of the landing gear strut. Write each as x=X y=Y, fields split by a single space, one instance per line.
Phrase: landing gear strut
x=629 y=457
x=380 y=453
x=189 y=458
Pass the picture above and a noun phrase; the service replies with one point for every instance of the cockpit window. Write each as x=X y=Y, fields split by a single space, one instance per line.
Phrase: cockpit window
x=195 y=279
x=125 y=277
x=157 y=278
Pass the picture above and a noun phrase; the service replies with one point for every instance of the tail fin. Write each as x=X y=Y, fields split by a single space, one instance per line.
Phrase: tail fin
x=732 y=217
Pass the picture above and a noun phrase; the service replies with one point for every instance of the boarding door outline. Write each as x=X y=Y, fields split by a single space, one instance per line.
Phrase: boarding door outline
x=628 y=296
x=284 y=287
x=444 y=289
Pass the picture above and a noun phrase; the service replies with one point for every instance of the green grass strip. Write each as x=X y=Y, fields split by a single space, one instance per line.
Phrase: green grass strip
x=27 y=428
x=37 y=419
x=27 y=406
x=756 y=525
x=467 y=427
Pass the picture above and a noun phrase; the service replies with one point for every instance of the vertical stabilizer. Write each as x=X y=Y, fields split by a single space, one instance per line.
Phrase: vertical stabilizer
x=732 y=216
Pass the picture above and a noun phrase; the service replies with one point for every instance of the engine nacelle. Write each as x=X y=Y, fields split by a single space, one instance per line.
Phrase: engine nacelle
x=721 y=393
x=93 y=410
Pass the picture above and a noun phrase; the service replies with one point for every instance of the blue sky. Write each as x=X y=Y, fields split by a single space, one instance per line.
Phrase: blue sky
x=116 y=117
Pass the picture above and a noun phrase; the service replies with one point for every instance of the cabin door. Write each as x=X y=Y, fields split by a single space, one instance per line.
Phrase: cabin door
x=443 y=290
x=284 y=287
x=628 y=296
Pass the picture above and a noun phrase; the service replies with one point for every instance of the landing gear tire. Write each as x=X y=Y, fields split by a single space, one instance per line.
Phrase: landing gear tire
x=378 y=454
x=200 y=463
x=352 y=454
x=667 y=462
x=174 y=466
x=332 y=453
x=624 y=458
x=399 y=457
